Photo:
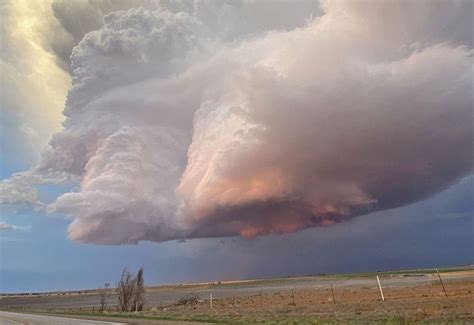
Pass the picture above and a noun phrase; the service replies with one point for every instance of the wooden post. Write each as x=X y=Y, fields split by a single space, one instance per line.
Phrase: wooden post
x=261 y=304
x=293 y=296
x=441 y=281
x=210 y=300
x=380 y=287
x=235 y=301
x=332 y=291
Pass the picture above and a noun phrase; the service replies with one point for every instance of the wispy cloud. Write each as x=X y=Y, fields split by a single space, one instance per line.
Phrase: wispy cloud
x=25 y=128
x=5 y=226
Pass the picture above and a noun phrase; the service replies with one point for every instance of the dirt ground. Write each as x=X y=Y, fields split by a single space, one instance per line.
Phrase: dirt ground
x=409 y=298
x=402 y=304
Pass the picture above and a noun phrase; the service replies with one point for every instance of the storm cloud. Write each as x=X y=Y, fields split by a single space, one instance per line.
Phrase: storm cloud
x=203 y=119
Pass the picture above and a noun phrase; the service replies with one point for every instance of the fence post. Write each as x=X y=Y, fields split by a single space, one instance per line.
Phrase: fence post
x=293 y=296
x=332 y=291
x=441 y=281
x=210 y=300
x=235 y=300
x=261 y=304
x=380 y=287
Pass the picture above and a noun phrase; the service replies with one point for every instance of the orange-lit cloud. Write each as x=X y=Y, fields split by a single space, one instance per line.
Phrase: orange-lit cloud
x=182 y=124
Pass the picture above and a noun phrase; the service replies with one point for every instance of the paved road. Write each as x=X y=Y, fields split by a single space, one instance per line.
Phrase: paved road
x=7 y=318
x=156 y=298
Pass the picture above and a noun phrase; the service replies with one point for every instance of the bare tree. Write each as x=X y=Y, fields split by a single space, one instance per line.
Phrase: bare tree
x=139 y=292
x=103 y=292
x=125 y=290
x=131 y=291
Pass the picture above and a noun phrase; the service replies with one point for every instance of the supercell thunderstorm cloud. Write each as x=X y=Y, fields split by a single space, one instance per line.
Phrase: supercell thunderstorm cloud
x=206 y=119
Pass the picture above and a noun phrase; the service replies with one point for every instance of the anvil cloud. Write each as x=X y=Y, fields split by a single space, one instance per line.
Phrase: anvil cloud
x=203 y=119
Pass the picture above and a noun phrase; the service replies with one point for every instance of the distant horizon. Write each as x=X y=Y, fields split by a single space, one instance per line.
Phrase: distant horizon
x=228 y=281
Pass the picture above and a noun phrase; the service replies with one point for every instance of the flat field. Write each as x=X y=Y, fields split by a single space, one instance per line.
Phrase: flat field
x=410 y=296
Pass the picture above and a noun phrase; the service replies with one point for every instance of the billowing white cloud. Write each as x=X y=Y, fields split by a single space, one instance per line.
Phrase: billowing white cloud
x=21 y=188
x=18 y=189
x=75 y=19
x=201 y=119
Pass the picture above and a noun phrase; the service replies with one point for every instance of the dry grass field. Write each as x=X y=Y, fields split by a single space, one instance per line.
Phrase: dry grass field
x=404 y=304
x=408 y=299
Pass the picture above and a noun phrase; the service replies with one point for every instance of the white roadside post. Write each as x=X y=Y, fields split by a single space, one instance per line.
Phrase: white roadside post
x=210 y=300
x=380 y=287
